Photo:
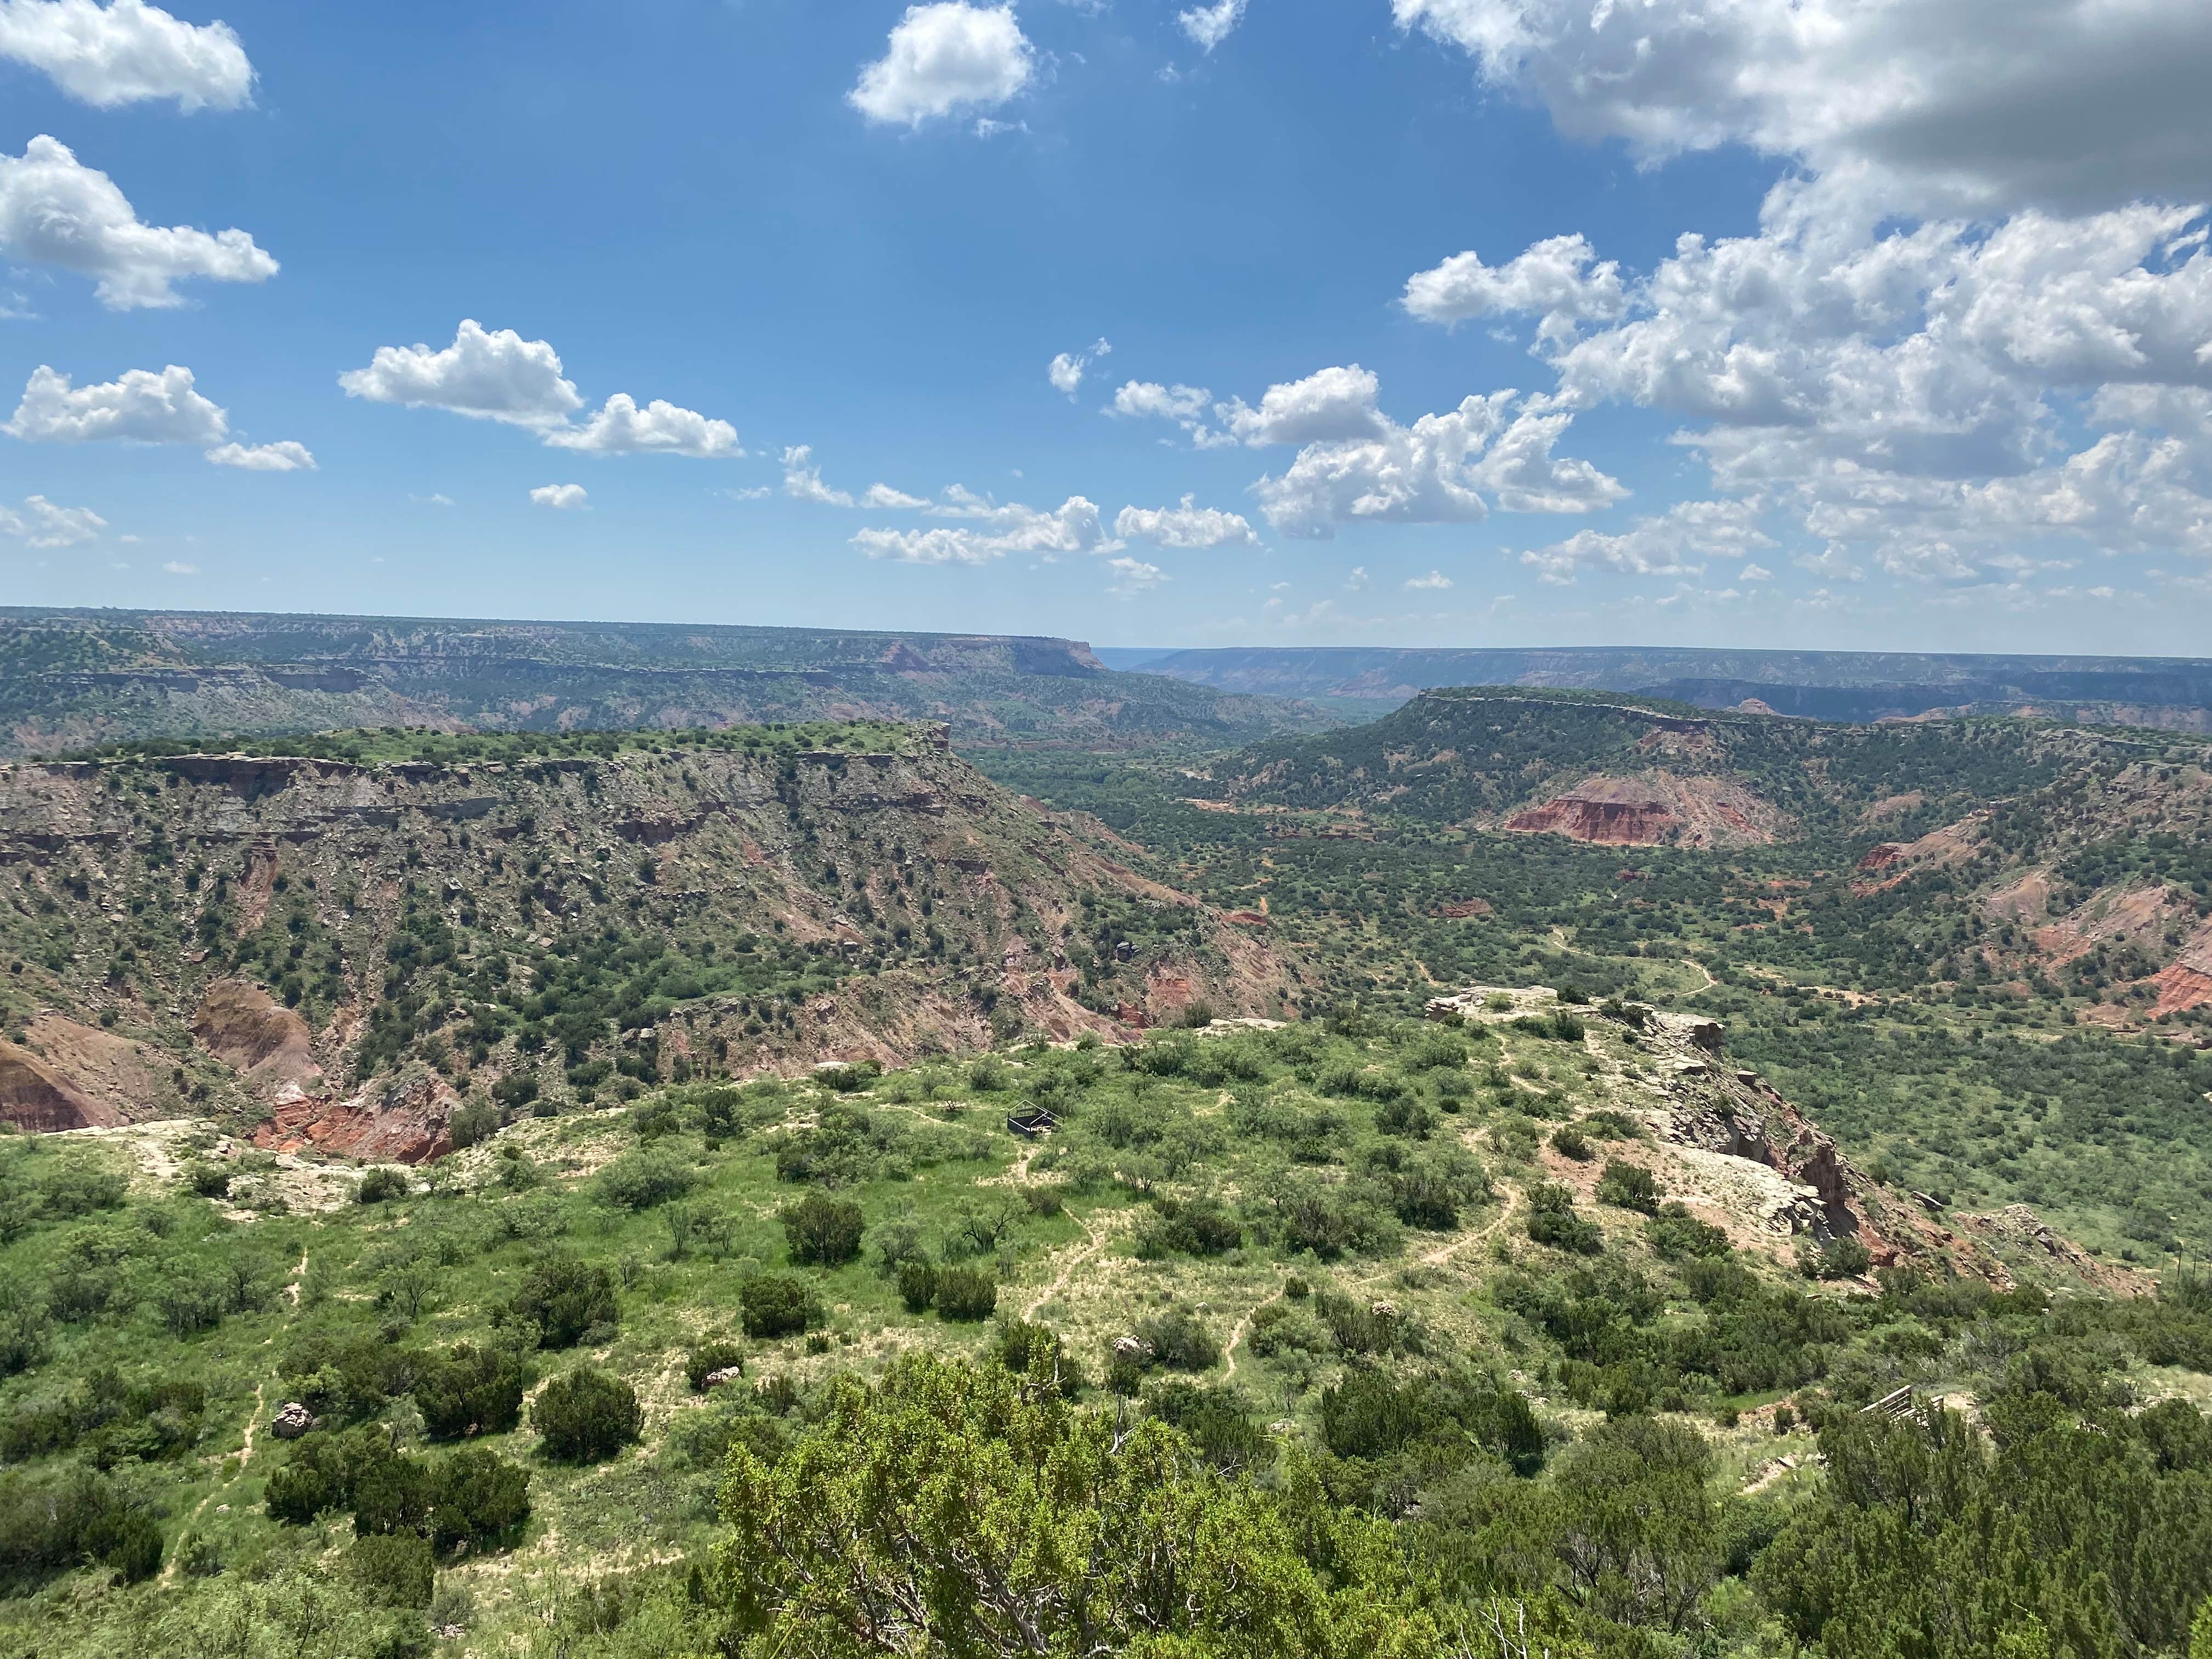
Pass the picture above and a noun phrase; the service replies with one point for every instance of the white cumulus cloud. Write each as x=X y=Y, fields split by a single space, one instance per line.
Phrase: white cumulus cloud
x=1142 y=400
x=1329 y=404
x=139 y=407
x=41 y=523
x=1559 y=280
x=1526 y=478
x=561 y=498
x=493 y=375
x=1067 y=369
x=621 y=428
x=287 y=456
x=1132 y=576
x=1073 y=527
x=1186 y=525
x=943 y=58
x=56 y=211
x=127 y=52
x=1357 y=464
x=1435 y=581
x=1209 y=26
x=1675 y=543
x=802 y=481
x=1982 y=105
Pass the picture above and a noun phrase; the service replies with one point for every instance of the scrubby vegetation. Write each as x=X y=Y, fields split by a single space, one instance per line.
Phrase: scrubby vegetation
x=1245 y=1302
x=1349 y=1333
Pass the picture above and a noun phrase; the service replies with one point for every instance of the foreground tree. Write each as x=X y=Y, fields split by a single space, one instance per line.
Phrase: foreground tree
x=961 y=1512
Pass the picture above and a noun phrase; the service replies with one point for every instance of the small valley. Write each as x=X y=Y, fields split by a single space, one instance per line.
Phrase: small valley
x=467 y=1185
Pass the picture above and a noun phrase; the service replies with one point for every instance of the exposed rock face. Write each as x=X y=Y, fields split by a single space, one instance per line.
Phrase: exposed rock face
x=1653 y=809
x=34 y=1096
x=292 y=1420
x=2020 y=1229
x=128 y=1079
x=393 y=1121
x=2180 y=989
x=942 y=899
x=1716 y=1107
x=241 y=1024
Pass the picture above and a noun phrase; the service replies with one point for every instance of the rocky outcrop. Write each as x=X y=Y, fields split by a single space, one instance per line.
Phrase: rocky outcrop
x=1652 y=809
x=393 y=1121
x=241 y=1024
x=2017 y=1231
x=1717 y=1108
x=34 y=1096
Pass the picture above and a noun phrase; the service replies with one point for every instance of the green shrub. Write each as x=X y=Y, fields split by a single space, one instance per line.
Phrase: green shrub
x=56 y=1519
x=777 y=1304
x=78 y=1189
x=587 y=1417
x=1023 y=1347
x=209 y=1179
x=709 y=1357
x=470 y=1391
x=1372 y=1415
x=477 y=1121
x=1678 y=1236
x=641 y=1179
x=1218 y=1421
x=391 y=1494
x=1199 y=1226
x=476 y=1497
x=564 y=1298
x=380 y=1185
x=312 y=1481
x=917 y=1285
x=392 y=1569
x=1628 y=1187
x=1359 y=1326
x=1407 y=1116
x=1569 y=1141
x=1331 y=1219
x=966 y=1293
x=1846 y=1257
x=822 y=1232
x=1179 y=1341
x=1552 y=1220
x=515 y=1092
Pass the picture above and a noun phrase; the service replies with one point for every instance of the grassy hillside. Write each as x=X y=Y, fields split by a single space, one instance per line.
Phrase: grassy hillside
x=1470 y=754
x=1979 y=952
x=71 y=679
x=1392 y=1313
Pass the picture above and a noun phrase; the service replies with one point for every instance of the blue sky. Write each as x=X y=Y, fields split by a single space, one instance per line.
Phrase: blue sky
x=1931 y=380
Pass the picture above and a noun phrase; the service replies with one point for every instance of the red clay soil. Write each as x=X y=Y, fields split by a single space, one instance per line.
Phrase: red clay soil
x=2180 y=989
x=1653 y=809
x=405 y=1123
x=241 y=1023
x=36 y=1096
